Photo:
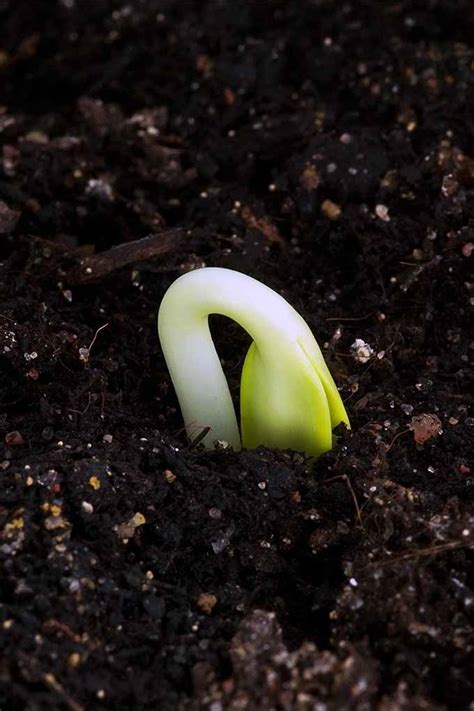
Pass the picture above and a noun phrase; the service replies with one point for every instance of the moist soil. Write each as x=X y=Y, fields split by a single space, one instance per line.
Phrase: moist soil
x=327 y=150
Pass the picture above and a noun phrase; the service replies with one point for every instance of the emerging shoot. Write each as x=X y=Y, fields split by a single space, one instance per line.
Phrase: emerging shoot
x=288 y=399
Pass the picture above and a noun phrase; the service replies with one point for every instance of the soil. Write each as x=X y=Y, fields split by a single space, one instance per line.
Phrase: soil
x=326 y=149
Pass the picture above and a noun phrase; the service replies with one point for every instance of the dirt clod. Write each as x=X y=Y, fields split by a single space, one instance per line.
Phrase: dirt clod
x=206 y=602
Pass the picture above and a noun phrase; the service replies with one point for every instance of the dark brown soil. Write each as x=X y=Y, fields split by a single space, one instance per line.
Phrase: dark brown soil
x=326 y=148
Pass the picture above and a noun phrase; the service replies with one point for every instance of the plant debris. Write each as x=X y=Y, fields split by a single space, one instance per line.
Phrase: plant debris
x=425 y=427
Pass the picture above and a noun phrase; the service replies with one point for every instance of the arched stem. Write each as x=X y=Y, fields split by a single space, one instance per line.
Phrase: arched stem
x=197 y=375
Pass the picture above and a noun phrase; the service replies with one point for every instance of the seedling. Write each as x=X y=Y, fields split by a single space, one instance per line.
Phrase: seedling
x=288 y=399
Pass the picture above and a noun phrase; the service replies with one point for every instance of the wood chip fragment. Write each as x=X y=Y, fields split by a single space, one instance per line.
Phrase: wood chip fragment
x=331 y=210
x=206 y=602
x=14 y=439
x=126 y=530
x=310 y=179
x=262 y=224
x=229 y=96
x=95 y=267
x=169 y=476
x=425 y=427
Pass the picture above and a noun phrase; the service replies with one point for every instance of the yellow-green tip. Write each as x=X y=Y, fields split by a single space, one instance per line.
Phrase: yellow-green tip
x=288 y=399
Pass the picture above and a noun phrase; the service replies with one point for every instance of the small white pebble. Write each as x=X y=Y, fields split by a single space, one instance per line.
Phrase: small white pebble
x=361 y=351
x=382 y=213
x=100 y=189
x=84 y=355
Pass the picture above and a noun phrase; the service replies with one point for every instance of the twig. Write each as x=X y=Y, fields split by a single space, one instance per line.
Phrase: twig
x=140 y=250
x=199 y=437
x=345 y=478
x=51 y=681
x=432 y=550
x=356 y=504
x=95 y=336
x=359 y=318
x=52 y=626
x=78 y=412
x=399 y=434
x=84 y=353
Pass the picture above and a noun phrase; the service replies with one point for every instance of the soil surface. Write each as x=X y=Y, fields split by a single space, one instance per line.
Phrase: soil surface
x=327 y=149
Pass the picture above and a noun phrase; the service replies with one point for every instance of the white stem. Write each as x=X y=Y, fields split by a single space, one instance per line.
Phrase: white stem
x=194 y=365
